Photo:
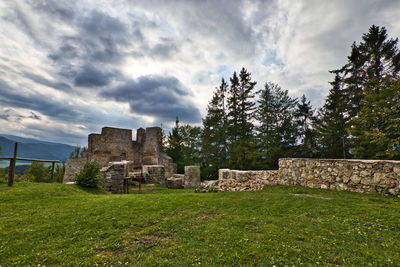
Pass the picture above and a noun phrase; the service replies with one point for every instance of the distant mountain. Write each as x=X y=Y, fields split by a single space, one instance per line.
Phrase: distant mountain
x=32 y=148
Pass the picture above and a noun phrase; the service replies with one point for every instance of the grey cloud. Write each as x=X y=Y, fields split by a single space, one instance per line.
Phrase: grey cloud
x=34 y=116
x=41 y=103
x=41 y=80
x=90 y=76
x=162 y=97
x=63 y=10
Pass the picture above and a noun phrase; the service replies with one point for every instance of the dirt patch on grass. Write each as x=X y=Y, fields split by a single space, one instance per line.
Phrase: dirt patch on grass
x=155 y=240
x=309 y=195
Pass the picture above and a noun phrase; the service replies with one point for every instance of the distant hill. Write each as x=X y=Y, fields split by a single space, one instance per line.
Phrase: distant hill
x=32 y=148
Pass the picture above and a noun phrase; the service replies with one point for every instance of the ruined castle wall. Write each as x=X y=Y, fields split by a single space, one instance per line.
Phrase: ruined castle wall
x=113 y=178
x=72 y=168
x=152 y=146
x=111 y=145
x=364 y=176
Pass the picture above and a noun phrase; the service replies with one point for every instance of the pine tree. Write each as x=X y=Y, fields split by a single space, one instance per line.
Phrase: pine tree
x=376 y=131
x=233 y=115
x=277 y=131
x=174 y=145
x=369 y=63
x=305 y=120
x=332 y=125
x=214 y=135
x=240 y=117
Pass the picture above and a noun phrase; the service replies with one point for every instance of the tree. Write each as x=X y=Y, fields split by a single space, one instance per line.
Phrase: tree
x=183 y=145
x=305 y=120
x=214 y=134
x=191 y=145
x=376 y=131
x=332 y=124
x=369 y=63
x=174 y=145
x=242 y=145
x=277 y=131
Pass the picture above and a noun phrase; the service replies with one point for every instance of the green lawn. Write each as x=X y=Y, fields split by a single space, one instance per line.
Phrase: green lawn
x=55 y=224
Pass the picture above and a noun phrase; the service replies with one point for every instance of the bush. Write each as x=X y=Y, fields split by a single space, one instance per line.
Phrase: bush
x=37 y=172
x=59 y=172
x=88 y=177
x=3 y=176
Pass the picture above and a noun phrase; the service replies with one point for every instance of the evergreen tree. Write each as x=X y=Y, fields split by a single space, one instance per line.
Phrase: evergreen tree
x=332 y=124
x=233 y=115
x=214 y=135
x=184 y=145
x=376 y=131
x=277 y=131
x=369 y=63
x=174 y=145
x=240 y=117
x=305 y=120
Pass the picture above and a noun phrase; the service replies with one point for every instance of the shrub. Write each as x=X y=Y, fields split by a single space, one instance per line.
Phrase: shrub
x=88 y=177
x=3 y=175
x=59 y=172
x=37 y=172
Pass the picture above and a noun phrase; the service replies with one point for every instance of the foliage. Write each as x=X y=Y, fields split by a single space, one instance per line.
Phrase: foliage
x=277 y=130
x=333 y=136
x=280 y=225
x=183 y=145
x=77 y=153
x=306 y=132
x=376 y=131
x=369 y=63
x=89 y=176
x=240 y=107
x=214 y=134
x=3 y=175
x=37 y=172
x=59 y=172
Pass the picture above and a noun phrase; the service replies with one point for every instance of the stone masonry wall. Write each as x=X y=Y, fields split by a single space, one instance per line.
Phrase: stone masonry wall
x=233 y=180
x=113 y=178
x=362 y=176
x=73 y=167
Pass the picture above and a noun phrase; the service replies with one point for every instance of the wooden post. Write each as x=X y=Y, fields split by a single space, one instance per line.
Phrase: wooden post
x=11 y=169
x=52 y=171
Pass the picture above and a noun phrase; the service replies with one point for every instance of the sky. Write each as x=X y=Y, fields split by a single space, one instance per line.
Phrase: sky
x=69 y=68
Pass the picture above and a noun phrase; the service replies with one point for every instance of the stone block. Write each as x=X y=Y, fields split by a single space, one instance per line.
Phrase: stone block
x=154 y=174
x=192 y=176
x=174 y=183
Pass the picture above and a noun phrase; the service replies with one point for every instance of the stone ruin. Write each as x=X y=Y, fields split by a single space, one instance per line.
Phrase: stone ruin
x=122 y=159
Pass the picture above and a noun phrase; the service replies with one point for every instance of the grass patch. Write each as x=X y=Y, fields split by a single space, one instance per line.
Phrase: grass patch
x=55 y=224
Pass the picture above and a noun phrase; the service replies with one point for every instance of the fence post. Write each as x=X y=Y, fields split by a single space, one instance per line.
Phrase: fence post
x=11 y=169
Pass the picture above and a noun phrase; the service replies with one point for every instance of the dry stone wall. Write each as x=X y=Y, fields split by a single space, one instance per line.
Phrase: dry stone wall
x=362 y=176
x=233 y=180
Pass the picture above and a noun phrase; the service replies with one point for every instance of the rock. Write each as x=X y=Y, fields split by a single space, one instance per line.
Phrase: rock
x=192 y=176
x=175 y=183
x=355 y=179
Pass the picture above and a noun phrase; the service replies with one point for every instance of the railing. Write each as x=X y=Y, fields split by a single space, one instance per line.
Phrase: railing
x=13 y=160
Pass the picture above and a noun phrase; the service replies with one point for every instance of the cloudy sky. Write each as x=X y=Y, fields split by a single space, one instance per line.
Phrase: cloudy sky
x=68 y=68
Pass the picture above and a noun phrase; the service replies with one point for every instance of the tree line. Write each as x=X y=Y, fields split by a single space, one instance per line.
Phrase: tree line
x=246 y=128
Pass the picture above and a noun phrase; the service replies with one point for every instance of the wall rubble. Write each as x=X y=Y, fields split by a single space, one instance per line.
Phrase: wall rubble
x=364 y=176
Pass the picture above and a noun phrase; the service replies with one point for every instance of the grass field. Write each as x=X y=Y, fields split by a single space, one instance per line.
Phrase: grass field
x=55 y=224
